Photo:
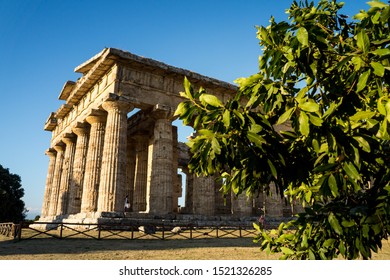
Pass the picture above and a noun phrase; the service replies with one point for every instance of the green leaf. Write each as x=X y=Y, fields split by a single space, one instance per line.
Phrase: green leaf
x=388 y=111
x=324 y=167
x=311 y=255
x=382 y=133
x=188 y=88
x=347 y=224
x=362 y=115
x=197 y=121
x=360 y=16
x=316 y=145
x=308 y=195
x=226 y=118
x=329 y=242
x=240 y=116
x=363 y=80
x=181 y=109
x=273 y=169
x=351 y=171
x=342 y=248
x=215 y=146
x=304 y=242
x=309 y=106
x=363 y=42
x=363 y=143
x=303 y=36
x=255 y=128
x=207 y=133
x=315 y=120
x=333 y=185
x=377 y=4
x=304 y=127
x=256 y=139
x=334 y=223
x=331 y=109
x=210 y=99
x=379 y=69
x=286 y=251
x=256 y=227
x=358 y=62
x=381 y=107
x=286 y=116
x=381 y=52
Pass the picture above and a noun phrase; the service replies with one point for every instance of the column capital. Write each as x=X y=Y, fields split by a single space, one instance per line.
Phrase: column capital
x=69 y=138
x=59 y=147
x=80 y=128
x=161 y=111
x=119 y=105
x=50 y=152
x=96 y=119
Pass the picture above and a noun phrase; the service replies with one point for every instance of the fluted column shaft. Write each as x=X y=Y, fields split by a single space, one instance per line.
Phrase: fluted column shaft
x=176 y=178
x=203 y=195
x=49 y=180
x=130 y=170
x=76 y=185
x=189 y=190
x=56 y=180
x=141 y=172
x=242 y=205
x=93 y=164
x=113 y=173
x=159 y=193
x=273 y=206
x=66 y=177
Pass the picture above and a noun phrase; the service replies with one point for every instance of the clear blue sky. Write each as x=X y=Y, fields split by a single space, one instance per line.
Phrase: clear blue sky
x=42 y=41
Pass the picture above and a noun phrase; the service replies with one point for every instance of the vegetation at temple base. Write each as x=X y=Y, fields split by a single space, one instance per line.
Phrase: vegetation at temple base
x=11 y=193
x=315 y=121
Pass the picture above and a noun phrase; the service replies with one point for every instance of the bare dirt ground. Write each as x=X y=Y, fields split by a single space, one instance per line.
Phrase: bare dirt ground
x=90 y=249
x=118 y=249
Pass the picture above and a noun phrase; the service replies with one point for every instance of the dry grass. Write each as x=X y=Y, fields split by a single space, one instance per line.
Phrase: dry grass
x=120 y=249
x=81 y=248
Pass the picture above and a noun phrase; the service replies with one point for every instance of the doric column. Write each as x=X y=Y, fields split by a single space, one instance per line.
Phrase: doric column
x=189 y=191
x=130 y=170
x=60 y=148
x=141 y=172
x=93 y=163
x=203 y=195
x=223 y=203
x=49 y=180
x=159 y=192
x=273 y=206
x=76 y=185
x=113 y=173
x=176 y=178
x=242 y=205
x=66 y=177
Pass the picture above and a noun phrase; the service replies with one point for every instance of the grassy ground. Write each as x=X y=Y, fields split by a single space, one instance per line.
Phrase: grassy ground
x=81 y=248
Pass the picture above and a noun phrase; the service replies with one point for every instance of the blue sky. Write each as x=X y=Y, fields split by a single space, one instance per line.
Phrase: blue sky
x=42 y=41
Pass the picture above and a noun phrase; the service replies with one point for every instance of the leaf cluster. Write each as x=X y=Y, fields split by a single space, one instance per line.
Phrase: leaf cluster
x=315 y=121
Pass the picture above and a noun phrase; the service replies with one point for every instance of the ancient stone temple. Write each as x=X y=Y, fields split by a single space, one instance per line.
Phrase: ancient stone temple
x=113 y=141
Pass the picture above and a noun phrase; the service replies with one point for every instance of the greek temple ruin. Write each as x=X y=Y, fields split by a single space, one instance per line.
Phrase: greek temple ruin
x=113 y=141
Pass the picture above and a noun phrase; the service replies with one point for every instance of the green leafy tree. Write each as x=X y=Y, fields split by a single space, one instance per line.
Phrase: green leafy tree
x=11 y=193
x=315 y=121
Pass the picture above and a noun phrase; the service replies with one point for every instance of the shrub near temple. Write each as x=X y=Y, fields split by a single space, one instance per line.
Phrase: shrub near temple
x=315 y=121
